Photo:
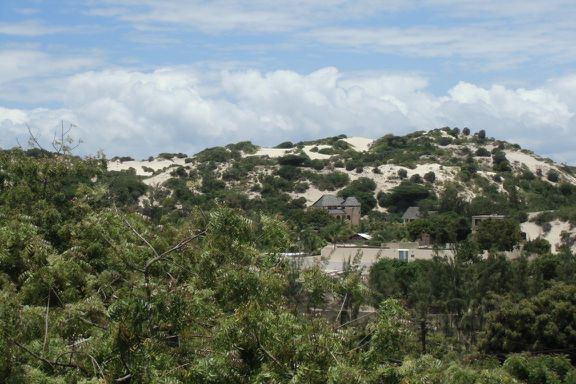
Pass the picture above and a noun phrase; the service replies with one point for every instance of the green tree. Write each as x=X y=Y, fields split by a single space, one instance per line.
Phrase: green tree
x=501 y=235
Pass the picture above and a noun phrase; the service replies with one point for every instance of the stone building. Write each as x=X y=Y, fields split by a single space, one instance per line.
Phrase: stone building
x=347 y=209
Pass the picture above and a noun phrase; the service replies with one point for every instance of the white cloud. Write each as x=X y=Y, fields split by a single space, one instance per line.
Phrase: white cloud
x=31 y=28
x=496 y=45
x=179 y=109
x=17 y=64
x=245 y=15
x=486 y=35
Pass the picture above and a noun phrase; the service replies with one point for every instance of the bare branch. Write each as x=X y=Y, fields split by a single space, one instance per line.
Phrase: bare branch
x=141 y=237
x=342 y=307
x=44 y=360
x=46 y=325
x=32 y=139
x=174 y=248
x=123 y=378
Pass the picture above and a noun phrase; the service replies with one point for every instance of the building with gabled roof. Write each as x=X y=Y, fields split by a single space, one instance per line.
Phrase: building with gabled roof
x=411 y=214
x=347 y=209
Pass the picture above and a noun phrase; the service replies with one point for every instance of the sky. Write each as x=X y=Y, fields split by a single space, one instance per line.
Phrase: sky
x=140 y=77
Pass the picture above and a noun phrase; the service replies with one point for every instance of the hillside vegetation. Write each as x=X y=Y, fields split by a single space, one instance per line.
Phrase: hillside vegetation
x=443 y=170
x=176 y=273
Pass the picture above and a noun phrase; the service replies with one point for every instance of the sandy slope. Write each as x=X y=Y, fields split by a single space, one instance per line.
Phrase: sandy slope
x=534 y=231
x=272 y=152
x=155 y=164
x=517 y=159
x=360 y=144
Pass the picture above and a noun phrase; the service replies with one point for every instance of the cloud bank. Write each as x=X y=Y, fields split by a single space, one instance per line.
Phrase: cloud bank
x=184 y=109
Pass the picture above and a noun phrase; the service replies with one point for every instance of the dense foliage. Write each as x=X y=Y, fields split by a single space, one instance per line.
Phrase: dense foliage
x=100 y=285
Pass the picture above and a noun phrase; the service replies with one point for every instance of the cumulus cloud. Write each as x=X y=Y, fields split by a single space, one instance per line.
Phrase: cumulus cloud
x=179 y=109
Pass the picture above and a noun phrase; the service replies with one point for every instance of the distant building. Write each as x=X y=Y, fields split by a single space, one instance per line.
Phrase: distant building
x=411 y=214
x=342 y=209
x=476 y=220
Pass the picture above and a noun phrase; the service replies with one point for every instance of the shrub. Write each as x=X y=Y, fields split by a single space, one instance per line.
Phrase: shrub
x=539 y=246
x=430 y=177
x=326 y=151
x=317 y=164
x=293 y=159
x=179 y=172
x=285 y=144
x=403 y=196
x=482 y=152
x=170 y=156
x=402 y=173
x=482 y=134
x=215 y=154
x=244 y=146
x=553 y=176
x=466 y=131
x=289 y=172
x=444 y=141
x=416 y=178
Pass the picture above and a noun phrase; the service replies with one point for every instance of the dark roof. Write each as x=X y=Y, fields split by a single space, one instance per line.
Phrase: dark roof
x=335 y=201
x=412 y=213
x=351 y=202
x=328 y=201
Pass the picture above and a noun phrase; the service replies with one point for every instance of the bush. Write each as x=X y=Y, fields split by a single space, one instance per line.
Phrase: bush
x=326 y=151
x=403 y=196
x=553 y=176
x=444 y=141
x=430 y=177
x=402 y=173
x=285 y=145
x=482 y=134
x=244 y=146
x=363 y=190
x=179 y=172
x=501 y=235
x=482 y=152
x=289 y=172
x=466 y=131
x=317 y=164
x=215 y=154
x=125 y=186
x=539 y=246
x=295 y=160
x=170 y=156
x=416 y=178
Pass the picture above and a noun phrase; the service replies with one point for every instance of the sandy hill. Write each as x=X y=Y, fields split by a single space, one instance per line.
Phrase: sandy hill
x=436 y=159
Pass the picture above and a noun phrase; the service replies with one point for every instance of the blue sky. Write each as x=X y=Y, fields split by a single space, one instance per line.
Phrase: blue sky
x=138 y=77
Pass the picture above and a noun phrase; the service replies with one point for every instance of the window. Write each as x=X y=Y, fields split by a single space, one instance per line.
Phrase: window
x=403 y=254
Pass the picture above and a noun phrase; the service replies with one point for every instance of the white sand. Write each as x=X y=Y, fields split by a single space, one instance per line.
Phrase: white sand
x=312 y=194
x=517 y=159
x=361 y=144
x=155 y=164
x=272 y=152
x=534 y=231
x=316 y=155
x=388 y=178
